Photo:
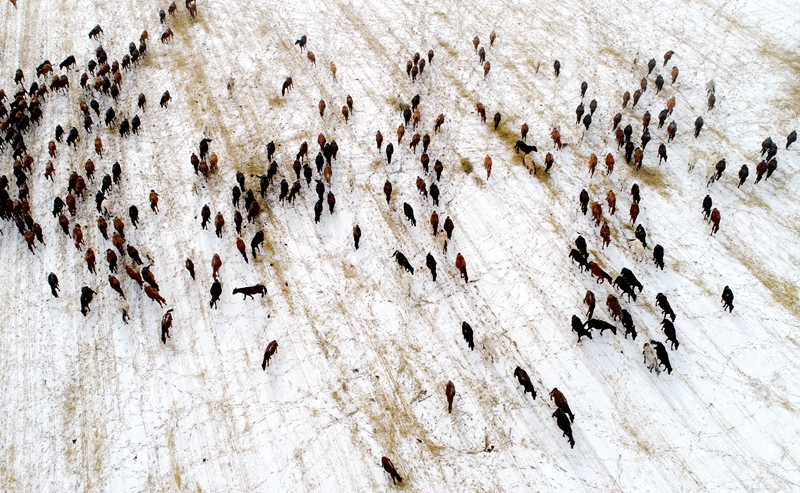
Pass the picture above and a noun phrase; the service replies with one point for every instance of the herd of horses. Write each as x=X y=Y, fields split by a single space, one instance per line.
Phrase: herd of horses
x=103 y=81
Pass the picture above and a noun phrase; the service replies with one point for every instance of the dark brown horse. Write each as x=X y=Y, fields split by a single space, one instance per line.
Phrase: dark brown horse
x=561 y=402
x=450 y=392
x=272 y=348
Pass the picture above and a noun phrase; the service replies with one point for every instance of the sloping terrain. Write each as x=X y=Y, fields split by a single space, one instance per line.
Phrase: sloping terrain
x=94 y=404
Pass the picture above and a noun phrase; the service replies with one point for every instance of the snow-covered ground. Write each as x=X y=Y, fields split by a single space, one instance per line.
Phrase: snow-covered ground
x=90 y=403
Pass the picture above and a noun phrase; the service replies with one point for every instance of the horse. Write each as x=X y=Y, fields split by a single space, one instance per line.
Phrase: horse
x=466 y=331
x=634 y=212
x=577 y=326
x=421 y=188
x=389 y=467
x=584 y=200
x=216 y=291
x=715 y=218
x=402 y=261
x=589 y=300
x=240 y=246
x=663 y=356
x=613 y=306
x=525 y=381
x=216 y=263
x=605 y=234
x=450 y=392
x=387 y=190
x=658 y=256
x=409 y=213
x=597 y=212
x=525 y=148
x=563 y=423
x=481 y=111
x=561 y=403
x=663 y=303
x=272 y=348
x=669 y=331
x=287 y=84
x=650 y=358
x=87 y=294
x=153 y=294
x=487 y=163
x=461 y=265
x=599 y=273
x=430 y=263
x=592 y=164
x=727 y=299
x=609 y=164
x=439 y=122
x=251 y=290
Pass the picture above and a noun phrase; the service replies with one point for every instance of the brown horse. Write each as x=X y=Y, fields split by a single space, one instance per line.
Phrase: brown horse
x=609 y=164
x=287 y=84
x=597 y=212
x=115 y=285
x=523 y=132
x=486 y=68
x=461 y=265
x=592 y=164
x=450 y=392
x=401 y=131
x=487 y=163
x=715 y=217
x=561 y=402
x=321 y=107
x=311 y=58
x=134 y=274
x=611 y=198
x=599 y=273
x=589 y=299
x=439 y=122
x=167 y=36
x=345 y=113
x=389 y=467
x=435 y=222
x=638 y=157
x=634 y=212
x=90 y=260
x=415 y=117
x=475 y=42
x=51 y=148
x=333 y=71
x=154 y=201
x=481 y=111
x=556 y=136
x=613 y=306
x=216 y=263
x=414 y=142
x=671 y=104
x=154 y=295
x=421 y=188
x=605 y=234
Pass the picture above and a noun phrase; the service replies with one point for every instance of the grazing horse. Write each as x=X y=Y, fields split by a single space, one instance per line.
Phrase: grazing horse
x=577 y=326
x=663 y=303
x=461 y=265
x=450 y=392
x=466 y=331
x=599 y=273
x=561 y=403
x=389 y=467
x=727 y=299
x=525 y=381
x=564 y=425
x=272 y=348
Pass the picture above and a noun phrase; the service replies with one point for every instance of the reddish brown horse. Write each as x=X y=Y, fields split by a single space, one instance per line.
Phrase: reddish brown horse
x=597 y=212
x=592 y=164
x=461 y=265
x=487 y=163
x=556 y=136
x=154 y=295
x=605 y=234
x=590 y=301
x=481 y=111
x=634 y=212
x=611 y=198
x=561 y=402
x=609 y=163
x=389 y=467
x=613 y=306
x=715 y=218
x=599 y=273
x=216 y=263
